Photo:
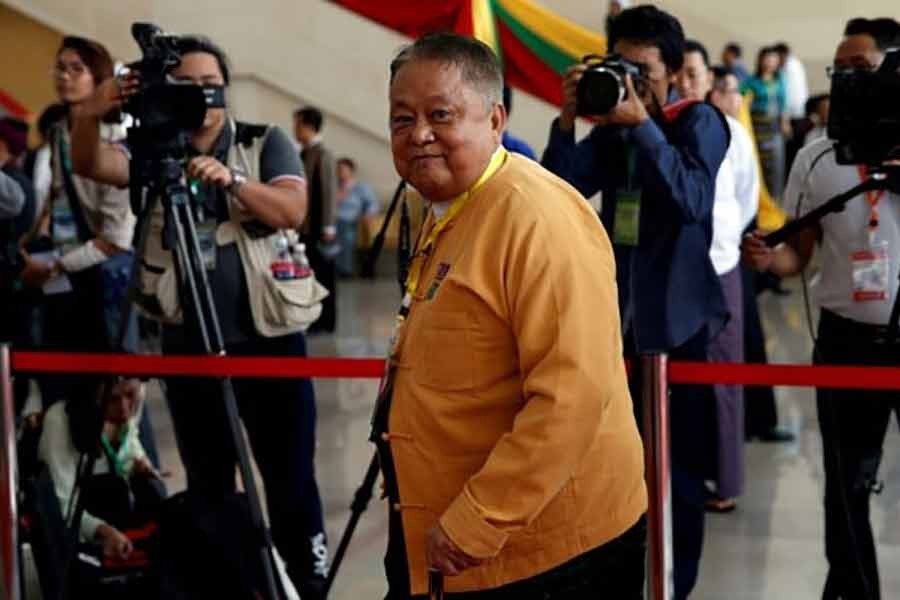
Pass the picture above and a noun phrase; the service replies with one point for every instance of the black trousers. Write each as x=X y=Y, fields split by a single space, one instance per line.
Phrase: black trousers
x=326 y=274
x=613 y=570
x=280 y=418
x=853 y=424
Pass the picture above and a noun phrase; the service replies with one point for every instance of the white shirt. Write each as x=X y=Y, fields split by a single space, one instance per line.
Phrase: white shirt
x=843 y=233
x=796 y=88
x=42 y=178
x=736 y=200
x=58 y=452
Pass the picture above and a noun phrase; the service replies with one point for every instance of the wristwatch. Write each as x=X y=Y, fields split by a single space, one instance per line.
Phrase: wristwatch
x=237 y=180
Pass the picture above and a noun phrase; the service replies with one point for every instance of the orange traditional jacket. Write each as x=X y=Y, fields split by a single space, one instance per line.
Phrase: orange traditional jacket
x=511 y=423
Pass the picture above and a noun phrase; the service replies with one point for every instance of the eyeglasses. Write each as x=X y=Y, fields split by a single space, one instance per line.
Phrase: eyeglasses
x=73 y=69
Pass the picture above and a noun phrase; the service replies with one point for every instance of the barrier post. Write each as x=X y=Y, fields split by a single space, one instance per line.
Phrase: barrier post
x=9 y=520
x=655 y=399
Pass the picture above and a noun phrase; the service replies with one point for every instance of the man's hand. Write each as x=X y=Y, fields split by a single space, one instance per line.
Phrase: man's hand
x=209 y=171
x=115 y=544
x=36 y=273
x=445 y=556
x=755 y=253
x=631 y=112
x=109 y=95
x=569 y=87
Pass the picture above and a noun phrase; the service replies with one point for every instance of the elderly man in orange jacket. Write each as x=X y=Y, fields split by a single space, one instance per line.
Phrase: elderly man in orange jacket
x=505 y=428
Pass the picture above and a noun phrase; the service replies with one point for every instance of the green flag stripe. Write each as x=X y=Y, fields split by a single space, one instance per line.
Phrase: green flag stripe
x=555 y=58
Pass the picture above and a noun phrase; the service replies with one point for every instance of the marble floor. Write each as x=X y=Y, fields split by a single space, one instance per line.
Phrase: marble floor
x=771 y=547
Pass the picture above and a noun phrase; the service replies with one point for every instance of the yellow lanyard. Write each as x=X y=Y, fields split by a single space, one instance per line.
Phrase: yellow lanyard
x=456 y=206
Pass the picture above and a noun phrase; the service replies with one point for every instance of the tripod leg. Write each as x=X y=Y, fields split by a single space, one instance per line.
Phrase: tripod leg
x=195 y=271
x=359 y=505
x=73 y=533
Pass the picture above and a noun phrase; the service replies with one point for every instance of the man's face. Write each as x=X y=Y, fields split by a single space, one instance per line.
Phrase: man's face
x=122 y=402
x=344 y=172
x=726 y=96
x=303 y=132
x=728 y=58
x=443 y=132
x=858 y=52
x=695 y=78
x=655 y=91
x=201 y=68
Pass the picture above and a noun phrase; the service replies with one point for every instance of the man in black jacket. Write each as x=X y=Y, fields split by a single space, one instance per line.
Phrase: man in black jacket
x=319 y=231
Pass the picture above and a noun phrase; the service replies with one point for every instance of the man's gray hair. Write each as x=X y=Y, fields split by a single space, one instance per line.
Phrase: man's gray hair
x=477 y=63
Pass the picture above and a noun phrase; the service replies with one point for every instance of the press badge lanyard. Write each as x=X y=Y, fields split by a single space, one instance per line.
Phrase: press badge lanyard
x=870 y=266
x=873 y=197
x=456 y=205
x=382 y=404
x=115 y=457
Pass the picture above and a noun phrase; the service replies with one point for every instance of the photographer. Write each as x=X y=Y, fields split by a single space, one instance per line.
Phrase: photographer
x=279 y=414
x=853 y=323
x=656 y=161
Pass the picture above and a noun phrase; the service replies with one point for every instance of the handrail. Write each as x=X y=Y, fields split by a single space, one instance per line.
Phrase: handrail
x=9 y=519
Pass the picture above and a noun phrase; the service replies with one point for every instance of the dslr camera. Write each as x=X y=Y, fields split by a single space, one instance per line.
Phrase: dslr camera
x=865 y=114
x=603 y=84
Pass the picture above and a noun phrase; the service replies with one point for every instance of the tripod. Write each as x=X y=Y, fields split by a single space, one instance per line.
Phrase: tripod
x=198 y=307
x=180 y=235
x=364 y=492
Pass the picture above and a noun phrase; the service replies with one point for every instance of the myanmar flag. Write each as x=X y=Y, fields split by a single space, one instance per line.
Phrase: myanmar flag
x=535 y=45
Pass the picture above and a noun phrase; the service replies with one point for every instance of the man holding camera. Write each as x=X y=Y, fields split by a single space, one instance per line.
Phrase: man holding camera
x=246 y=176
x=854 y=243
x=656 y=160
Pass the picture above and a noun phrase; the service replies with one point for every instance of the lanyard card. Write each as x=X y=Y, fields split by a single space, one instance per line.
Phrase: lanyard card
x=871 y=273
x=628 y=219
x=206 y=238
x=64 y=229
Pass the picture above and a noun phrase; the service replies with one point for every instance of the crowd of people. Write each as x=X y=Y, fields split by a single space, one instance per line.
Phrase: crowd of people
x=506 y=429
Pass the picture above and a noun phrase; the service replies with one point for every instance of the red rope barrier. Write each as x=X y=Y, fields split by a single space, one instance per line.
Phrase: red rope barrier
x=886 y=378
x=873 y=378
x=198 y=366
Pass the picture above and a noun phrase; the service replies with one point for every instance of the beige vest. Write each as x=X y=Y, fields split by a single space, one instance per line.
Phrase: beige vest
x=279 y=307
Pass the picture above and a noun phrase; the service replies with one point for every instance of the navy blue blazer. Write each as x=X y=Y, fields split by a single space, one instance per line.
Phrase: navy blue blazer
x=672 y=290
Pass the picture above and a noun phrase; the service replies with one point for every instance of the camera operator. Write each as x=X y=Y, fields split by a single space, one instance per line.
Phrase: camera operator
x=279 y=414
x=663 y=156
x=852 y=325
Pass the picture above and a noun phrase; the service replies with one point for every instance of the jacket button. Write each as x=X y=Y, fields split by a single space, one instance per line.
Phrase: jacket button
x=397 y=507
x=386 y=437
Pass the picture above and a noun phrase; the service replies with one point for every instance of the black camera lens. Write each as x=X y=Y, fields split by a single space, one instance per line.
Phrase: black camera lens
x=598 y=91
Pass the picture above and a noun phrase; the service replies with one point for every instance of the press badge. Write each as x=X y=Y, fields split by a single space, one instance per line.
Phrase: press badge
x=627 y=219
x=871 y=273
x=206 y=238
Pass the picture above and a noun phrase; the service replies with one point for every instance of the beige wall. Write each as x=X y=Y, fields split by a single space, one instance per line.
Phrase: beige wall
x=292 y=52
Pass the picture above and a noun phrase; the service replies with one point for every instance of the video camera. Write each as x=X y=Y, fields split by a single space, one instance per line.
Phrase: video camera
x=602 y=86
x=165 y=112
x=865 y=114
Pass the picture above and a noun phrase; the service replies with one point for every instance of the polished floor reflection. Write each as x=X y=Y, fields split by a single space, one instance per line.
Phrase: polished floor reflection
x=771 y=547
